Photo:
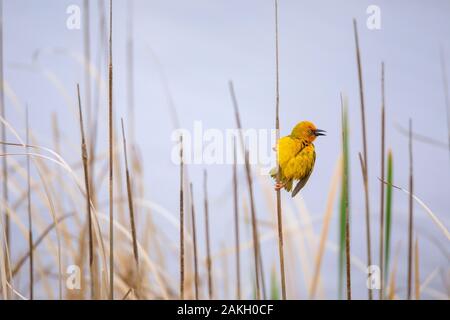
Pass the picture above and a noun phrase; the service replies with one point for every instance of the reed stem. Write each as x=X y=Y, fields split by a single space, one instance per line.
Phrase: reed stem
x=194 y=239
x=30 y=218
x=383 y=150
x=236 y=223
x=85 y=160
x=111 y=163
x=411 y=217
x=364 y=159
x=208 y=243
x=277 y=127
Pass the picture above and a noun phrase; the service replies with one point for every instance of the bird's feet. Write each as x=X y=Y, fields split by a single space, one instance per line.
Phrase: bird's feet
x=279 y=186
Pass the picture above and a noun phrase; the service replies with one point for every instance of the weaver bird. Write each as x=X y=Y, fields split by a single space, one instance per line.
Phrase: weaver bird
x=296 y=156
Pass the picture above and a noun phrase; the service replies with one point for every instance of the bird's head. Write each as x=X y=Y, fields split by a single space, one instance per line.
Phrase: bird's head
x=306 y=130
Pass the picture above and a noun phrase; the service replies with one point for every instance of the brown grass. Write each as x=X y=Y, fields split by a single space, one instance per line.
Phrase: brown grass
x=181 y=221
x=194 y=239
x=131 y=209
x=208 y=243
x=364 y=158
x=277 y=127
x=255 y=234
x=111 y=161
x=236 y=222
x=85 y=159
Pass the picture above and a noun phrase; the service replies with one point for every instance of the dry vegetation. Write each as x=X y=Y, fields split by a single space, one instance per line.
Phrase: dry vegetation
x=118 y=262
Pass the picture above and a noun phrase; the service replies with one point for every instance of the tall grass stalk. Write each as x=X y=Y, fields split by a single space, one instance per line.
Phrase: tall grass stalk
x=364 y=159
x=30 y=218
x=236 y=222
x=208 y=243
x=277 y=127
x=194 y=239
x=181 y=220
x=345 y=198
x=411 y=221
x=5 y=193
x=85 y=160
x=416 y=270
x=131 y=210
x=111 y=157
x=255 y=234
x=383 y=137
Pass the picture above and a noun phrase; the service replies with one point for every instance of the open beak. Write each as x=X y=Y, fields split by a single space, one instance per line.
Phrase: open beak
x=320 y=132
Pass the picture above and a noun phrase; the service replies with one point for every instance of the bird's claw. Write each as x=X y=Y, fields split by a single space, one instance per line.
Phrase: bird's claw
x=279 y=186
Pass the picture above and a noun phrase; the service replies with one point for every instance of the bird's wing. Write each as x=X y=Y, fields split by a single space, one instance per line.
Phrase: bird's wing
x=287 y=149
x=301 y=183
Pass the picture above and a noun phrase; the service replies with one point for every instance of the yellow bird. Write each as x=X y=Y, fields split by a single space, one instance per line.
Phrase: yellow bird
x=296 y=156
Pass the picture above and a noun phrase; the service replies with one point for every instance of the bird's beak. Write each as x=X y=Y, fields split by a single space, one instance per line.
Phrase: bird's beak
x=320 y=132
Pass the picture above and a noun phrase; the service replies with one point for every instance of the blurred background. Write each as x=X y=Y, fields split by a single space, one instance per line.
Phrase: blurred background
x=180 y=55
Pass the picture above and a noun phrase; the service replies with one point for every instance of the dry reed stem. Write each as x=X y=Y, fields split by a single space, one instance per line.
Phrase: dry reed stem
x=416 y=269
x=383 y=142
x=30 y=218
x=85 y=159
x=5 y=194
x=181 y=221
x=346 y=200
x=278 y=191
x=131 y=208
x=236 y=222
x=208 y=242
x=111 y=164
x=24 y=258
x=364 y=160
x=255 y=235
x=194 y=239
x=410 y=222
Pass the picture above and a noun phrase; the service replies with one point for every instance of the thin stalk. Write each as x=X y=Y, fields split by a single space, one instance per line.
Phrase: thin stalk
x=364 y=160
x=30 y=218
x=411 y=222
x=85 y=159
x=416 y=270
x=277 y=127
x=256 y=246
x=236 y=223
x=38 y=241
x=345 y=199
x=111 y=157
x=181 y=221
x=5 y=194
x=208 y=243
x=130 y=206
x=194 y=239
x=383 y=135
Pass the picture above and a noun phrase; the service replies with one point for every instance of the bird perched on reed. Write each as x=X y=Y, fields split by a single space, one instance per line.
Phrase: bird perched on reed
x=296 y=156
